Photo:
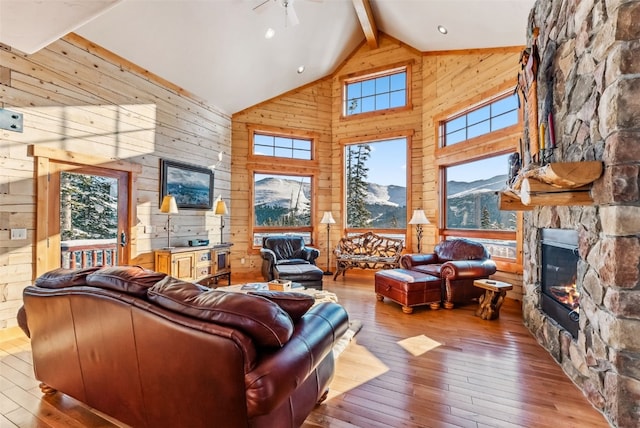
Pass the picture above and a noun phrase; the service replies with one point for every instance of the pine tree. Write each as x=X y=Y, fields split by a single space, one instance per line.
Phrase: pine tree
x=485 y=220
x=88 y=209
x=357 y=213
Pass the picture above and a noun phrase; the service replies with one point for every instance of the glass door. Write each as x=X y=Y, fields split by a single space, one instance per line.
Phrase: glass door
x=89 y=226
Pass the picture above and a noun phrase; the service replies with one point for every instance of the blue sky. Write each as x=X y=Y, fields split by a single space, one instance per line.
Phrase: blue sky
x=388 y=165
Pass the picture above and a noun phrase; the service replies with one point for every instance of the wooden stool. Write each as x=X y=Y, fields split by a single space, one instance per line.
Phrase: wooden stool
x=490 y=302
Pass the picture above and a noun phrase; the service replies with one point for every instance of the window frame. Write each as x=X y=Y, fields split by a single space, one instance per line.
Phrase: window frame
x=373 y=74
x=274 y=165
x=500 y=142
x=285 y=133
x=408 y=135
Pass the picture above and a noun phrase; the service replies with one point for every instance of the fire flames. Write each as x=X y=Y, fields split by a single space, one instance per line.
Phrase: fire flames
x=568 y=295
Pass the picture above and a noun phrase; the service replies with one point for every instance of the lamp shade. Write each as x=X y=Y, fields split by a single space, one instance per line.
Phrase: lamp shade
x=169 y=205
x=220 y=208
x=327 y=218
x=419 y=217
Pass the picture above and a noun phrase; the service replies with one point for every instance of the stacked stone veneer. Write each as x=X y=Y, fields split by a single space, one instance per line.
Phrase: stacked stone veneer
x=589 y=77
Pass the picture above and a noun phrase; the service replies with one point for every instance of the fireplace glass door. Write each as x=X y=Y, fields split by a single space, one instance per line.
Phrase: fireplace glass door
x=560 y=297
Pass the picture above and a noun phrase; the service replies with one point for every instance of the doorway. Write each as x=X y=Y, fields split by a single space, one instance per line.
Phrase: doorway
x=84 y=227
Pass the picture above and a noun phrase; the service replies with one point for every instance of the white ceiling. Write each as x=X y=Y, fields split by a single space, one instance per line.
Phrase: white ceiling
x=216 y=49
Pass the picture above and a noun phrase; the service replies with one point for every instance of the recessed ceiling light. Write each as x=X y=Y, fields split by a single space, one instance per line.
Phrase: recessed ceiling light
x=442 y=29
x=270 y=33
x=300 y=69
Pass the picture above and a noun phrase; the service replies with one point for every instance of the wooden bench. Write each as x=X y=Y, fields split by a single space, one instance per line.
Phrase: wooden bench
x=367 y=251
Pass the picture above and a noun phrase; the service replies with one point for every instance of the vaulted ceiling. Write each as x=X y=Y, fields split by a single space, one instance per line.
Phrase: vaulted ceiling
x=217 y=49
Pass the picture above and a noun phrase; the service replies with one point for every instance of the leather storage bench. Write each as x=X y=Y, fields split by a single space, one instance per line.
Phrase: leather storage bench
x=408 y=288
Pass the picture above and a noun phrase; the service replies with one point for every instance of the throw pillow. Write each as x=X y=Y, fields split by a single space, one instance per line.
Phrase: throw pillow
x=134 y=280
x=295 y=304
x=264 y=321
x=61 y=277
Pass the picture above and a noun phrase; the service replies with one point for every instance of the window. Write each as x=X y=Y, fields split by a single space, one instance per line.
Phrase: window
x=281 y=146
x=375 y=92
x=473 y=161
x=281 y=204
x=282 y=176
x=471 y=204
x=488 y=118
x=376 y=186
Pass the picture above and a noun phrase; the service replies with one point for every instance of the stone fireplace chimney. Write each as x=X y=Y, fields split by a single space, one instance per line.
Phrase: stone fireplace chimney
x=589 y=79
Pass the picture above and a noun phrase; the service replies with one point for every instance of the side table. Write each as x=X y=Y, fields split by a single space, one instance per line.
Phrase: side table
x=491 y=300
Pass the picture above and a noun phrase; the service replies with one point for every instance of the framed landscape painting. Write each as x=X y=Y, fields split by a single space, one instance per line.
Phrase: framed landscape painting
x=191 y=185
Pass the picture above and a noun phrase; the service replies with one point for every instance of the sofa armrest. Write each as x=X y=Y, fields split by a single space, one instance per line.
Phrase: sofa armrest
x=279 y=373
x=408 y=261
x=311 y=254
x=461 y=269
x=268 y=255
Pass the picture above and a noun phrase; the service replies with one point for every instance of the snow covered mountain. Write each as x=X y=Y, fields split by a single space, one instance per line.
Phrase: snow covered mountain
x=288 y=193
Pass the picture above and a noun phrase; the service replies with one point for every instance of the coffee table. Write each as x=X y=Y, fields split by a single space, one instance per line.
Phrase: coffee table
x=319 y=295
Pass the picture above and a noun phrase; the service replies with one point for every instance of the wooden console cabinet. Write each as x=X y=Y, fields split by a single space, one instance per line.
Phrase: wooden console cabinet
x=205 y=265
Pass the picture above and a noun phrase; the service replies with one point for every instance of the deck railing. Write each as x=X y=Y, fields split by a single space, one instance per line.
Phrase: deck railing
x=84 y=253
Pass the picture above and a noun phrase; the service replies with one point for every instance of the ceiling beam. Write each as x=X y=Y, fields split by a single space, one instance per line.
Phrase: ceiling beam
x=367 y=22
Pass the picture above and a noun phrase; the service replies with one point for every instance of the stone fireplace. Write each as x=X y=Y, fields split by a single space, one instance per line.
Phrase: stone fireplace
x=589 y=79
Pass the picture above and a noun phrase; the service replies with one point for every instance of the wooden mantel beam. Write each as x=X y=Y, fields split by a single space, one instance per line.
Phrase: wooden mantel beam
x=367 y=22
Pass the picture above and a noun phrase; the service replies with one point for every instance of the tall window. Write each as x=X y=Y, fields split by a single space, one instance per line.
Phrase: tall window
x=376 y=186
x=375 y=92
x=471 y=204
x=281 y=204
x=473 y=157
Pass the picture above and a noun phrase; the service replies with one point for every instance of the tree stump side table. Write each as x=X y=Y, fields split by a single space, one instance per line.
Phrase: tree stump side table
x=491 y=300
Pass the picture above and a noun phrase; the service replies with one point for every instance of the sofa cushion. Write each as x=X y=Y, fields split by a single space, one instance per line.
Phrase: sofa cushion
x=460 y=249
x=134 y=280
x=432 y=269
x=294 y=304
x=263 y=320
x=61 y=277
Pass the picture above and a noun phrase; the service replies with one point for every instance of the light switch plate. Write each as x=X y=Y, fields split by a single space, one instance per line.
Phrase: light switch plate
x=17 y=234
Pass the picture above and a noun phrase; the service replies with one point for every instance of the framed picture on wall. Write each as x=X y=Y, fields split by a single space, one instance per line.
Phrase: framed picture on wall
x=191 y=185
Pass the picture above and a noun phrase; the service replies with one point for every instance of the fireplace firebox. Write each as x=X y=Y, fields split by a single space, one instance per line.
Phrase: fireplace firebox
x=560 y=298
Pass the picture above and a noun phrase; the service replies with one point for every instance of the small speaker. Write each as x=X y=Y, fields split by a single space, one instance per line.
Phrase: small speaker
x=198 y=242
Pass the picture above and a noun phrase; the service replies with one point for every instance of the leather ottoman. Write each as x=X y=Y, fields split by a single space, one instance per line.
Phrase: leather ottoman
x=409 y=288
x=308 y=275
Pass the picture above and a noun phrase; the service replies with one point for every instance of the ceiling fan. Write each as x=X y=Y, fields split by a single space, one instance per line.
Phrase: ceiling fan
x=291 y=18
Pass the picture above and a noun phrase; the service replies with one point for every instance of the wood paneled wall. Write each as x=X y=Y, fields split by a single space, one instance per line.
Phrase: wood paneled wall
x=78 y=97
x=440 y=81
x=453 y=81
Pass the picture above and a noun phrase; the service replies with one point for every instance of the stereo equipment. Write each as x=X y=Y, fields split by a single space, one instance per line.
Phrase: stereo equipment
x=198 y=242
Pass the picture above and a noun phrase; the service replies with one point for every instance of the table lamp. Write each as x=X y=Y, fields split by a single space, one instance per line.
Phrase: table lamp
x=327 y=219
x=419 y=219
x=168 y=207
x=221 y=210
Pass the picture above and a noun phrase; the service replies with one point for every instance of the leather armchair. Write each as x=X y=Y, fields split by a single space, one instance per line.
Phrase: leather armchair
x=285 y=250
x=458 y=262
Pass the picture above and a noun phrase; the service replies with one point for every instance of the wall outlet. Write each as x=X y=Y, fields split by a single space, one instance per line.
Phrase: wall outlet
x=242 y=260
x=17 y=234
x=252 y=264
x=148 y=229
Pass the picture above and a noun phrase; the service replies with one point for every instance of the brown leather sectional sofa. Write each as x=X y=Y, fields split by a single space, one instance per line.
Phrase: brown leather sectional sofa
x=153 y=351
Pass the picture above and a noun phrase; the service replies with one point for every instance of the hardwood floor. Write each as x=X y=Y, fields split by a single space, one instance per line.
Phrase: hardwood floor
x=454 y=370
